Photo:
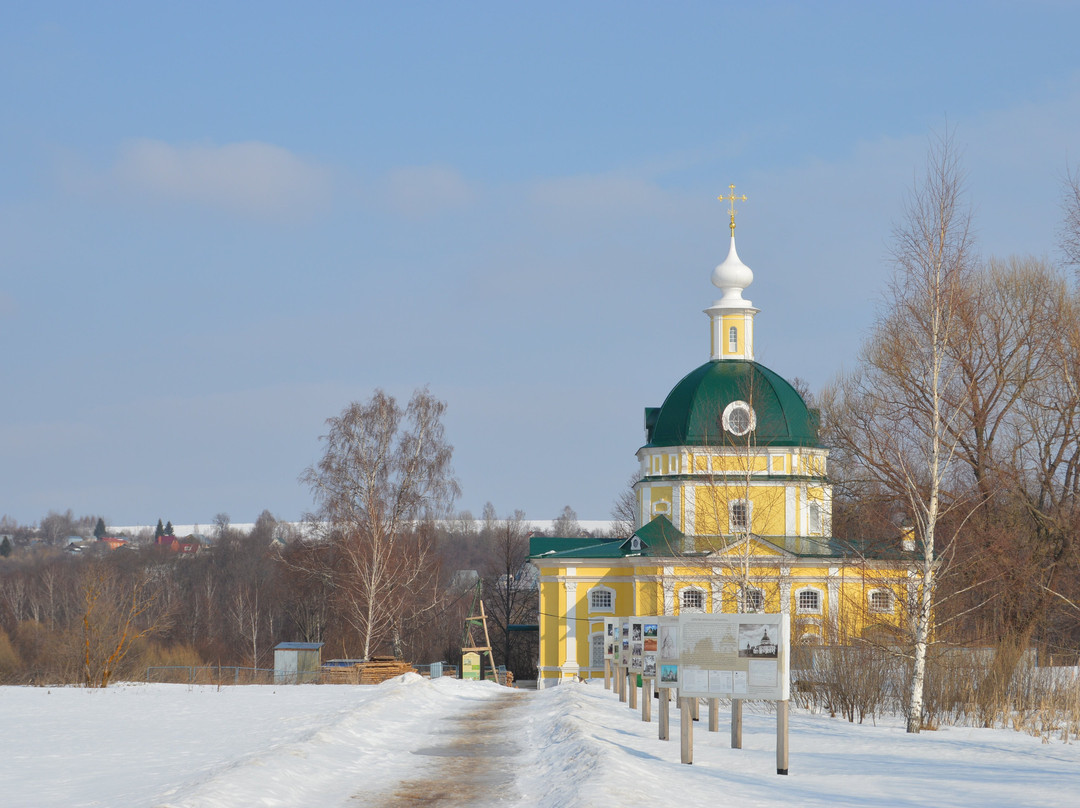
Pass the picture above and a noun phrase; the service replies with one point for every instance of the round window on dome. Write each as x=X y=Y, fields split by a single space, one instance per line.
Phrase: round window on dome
x=739 y=418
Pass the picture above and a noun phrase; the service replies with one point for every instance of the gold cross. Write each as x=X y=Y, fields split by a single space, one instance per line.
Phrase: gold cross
x=731 y=198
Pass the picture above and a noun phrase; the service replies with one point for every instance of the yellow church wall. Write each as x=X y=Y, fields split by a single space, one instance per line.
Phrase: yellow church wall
x=738 y=322
x=660 y=495
x=739 y=464
x=552 y=627
x=711 y=502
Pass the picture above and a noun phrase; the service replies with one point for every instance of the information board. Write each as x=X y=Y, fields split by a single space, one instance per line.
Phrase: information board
x=740 y=656
x=637 y=644
x=610 y=625
x=470 y=665
x=667 y=652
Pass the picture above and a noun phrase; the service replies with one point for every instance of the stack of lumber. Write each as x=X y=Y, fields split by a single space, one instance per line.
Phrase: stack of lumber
x=379 y=669
x=340 y=675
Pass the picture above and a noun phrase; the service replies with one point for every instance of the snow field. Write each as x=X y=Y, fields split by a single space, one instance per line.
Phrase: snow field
x=177 y=746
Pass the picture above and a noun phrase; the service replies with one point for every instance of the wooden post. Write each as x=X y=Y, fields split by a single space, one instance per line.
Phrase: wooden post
x=782 y=737
x=736 y=723
x=686 y=731
x=620 y=675
x=714 y=715
x=665 y=713
x=695 y=708
x=632 y=688
x=646 y=700
x=607 y=674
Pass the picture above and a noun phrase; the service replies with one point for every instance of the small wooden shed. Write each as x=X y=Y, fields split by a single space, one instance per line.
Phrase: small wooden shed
x=297 y=662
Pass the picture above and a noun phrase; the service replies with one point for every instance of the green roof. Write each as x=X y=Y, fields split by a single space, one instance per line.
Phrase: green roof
x=661 y=539
x=691 y=414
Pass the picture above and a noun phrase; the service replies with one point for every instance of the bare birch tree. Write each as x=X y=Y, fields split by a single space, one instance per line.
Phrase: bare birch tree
x=383 y=469
x=901 y=414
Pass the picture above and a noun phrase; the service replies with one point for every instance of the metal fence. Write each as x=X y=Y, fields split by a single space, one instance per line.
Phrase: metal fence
x=233 y=675
x=210 y=675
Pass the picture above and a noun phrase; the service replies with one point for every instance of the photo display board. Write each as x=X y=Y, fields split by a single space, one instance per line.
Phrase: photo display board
x=667 y=652
x=637 y=645
x=622 y=629
x=741 y=656
x=610 y=626
x=650 y=631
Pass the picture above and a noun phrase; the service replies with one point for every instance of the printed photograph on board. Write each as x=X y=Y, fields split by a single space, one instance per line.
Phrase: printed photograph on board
x=669 y=642
x=755 y=641
x=650 y=630
x=669 y=674
x=648 y=666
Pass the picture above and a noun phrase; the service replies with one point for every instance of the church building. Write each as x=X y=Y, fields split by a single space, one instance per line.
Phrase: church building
x=733 y=514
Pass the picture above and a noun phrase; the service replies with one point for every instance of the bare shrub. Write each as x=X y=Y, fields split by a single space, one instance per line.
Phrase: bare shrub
x=854 y=681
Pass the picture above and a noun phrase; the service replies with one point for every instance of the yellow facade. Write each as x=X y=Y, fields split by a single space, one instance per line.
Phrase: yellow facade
x=827 y=603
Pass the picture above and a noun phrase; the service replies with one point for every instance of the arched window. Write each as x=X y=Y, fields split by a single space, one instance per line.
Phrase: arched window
x=692 y=600
x=815 y=518
x=601 y=599
x=882 y=600
x=733 y=340
x=808 y=601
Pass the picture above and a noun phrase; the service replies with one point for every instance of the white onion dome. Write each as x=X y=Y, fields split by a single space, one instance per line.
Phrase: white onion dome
x=732 y=277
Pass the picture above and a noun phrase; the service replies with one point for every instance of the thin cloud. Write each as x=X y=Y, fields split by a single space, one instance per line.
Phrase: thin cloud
x=422 y=191
x=250 y=178
x=600 y=195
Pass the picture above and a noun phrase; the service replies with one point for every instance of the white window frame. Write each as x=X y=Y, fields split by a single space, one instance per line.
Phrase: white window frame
x=733 y=339
x=752 y=592
x=730 y=410
x=814 y=517
x=602 y=590
x=749 y=505
x=800 y=609
x=692 y=590
x=881 y=608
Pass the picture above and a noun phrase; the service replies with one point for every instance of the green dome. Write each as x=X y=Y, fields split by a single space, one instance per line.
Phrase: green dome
x=692 y=413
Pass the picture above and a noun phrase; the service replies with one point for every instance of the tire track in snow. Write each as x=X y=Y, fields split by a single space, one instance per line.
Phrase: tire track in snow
x=469 y=762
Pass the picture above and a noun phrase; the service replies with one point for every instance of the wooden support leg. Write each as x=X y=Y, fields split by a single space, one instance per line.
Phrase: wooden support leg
x=736 y=723
x=686 y=730
x=665 y=714
x=782 y=737
x=646 y=700
x=714 y=715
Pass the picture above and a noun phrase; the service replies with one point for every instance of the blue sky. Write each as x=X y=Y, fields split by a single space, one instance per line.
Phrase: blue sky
x=220 y=223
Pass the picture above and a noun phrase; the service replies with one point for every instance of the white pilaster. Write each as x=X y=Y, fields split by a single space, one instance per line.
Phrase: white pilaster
x=570 y=667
